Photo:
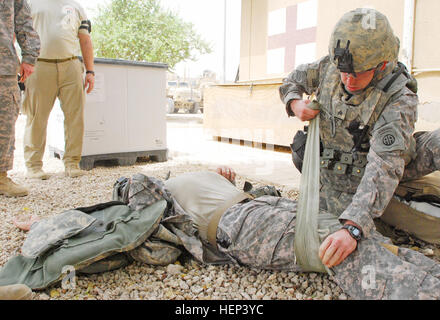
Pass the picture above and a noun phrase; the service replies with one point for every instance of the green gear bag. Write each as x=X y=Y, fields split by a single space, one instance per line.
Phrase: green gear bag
x=125 y=230
x=416 y=208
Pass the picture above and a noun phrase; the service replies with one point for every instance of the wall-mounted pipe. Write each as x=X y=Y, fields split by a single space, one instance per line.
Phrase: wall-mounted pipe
x=408 y=33
x=419 y=71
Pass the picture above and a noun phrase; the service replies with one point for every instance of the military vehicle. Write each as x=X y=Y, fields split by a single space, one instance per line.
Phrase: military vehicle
x=181 y=95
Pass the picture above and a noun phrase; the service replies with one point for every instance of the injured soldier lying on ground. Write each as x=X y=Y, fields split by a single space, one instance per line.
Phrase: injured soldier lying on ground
x=206 y=215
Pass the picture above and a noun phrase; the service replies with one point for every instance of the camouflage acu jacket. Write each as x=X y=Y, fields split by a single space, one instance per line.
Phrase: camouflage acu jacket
x=360 y=167
x=15 y=18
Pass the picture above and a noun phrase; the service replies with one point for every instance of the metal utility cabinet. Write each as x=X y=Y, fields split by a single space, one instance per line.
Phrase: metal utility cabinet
x=125 y=116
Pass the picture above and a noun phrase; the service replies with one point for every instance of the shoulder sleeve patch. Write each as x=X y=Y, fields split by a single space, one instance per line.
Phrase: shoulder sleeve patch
x=388 y=138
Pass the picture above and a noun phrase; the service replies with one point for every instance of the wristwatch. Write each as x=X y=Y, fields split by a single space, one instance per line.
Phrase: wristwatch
x=355 y=232
x=90 y=71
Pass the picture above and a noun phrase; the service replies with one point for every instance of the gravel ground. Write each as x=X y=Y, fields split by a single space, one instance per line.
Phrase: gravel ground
x=186 y=279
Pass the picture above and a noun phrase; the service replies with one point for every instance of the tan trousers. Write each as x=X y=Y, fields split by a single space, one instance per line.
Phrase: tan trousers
x=49 y=81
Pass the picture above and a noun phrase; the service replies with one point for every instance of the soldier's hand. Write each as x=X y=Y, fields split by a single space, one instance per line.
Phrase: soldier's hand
x=336 y=248
x=26 y=70
x=301 y=111
x=89 y=83
x=227 y=172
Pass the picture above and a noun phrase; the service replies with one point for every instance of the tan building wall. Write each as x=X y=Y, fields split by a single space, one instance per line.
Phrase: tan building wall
x=254 y=36
x=277 y=35
x=426 y=49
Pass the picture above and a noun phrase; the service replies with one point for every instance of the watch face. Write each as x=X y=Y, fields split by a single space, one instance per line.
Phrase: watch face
x=356 y=232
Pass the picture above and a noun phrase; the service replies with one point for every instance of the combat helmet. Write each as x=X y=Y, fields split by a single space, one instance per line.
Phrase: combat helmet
x=361 y=40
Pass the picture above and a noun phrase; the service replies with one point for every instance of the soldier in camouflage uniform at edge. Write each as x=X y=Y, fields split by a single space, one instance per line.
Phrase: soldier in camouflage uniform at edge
x=15 y=21
x=368 y=109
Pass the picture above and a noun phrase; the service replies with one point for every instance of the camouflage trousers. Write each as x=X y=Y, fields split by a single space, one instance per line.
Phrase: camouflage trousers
x=9 y=109
x=261 y=233
x=373 y=272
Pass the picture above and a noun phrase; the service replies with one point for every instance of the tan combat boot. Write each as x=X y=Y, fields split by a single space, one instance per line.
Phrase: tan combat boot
x=73 y=170
x=15 y=292
x=9 y=188
x=34 y=173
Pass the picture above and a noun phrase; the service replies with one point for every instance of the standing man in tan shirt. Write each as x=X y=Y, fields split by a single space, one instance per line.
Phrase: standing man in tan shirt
x=61 y=25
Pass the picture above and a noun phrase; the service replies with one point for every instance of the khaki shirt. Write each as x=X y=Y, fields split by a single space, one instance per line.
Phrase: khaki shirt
x=200 y=194
x=15 y=19
x=58 y=23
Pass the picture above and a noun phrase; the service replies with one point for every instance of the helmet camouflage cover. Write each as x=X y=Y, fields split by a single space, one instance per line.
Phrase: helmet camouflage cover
x=361 y=40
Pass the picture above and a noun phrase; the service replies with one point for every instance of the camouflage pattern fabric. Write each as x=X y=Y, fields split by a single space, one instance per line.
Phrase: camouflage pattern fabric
x=261 y=232
x=156 y=253
x=51 y=232
x=140 y=191
x=362 y=194
x=262 y=191
x=374 y=273
x=15 y=19
x=360 y=172
x=162 y=248
x=303 y=80
x=371 y=37
x=176 y=232
x=9 y=108
x=428 y=155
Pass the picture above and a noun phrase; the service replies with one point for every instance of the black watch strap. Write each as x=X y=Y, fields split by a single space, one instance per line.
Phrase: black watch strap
x=90 y=71
x=355 y=232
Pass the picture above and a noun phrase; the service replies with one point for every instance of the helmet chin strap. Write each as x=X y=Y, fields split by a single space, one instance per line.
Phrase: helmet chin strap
x=384 y=66
x=383 y=69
